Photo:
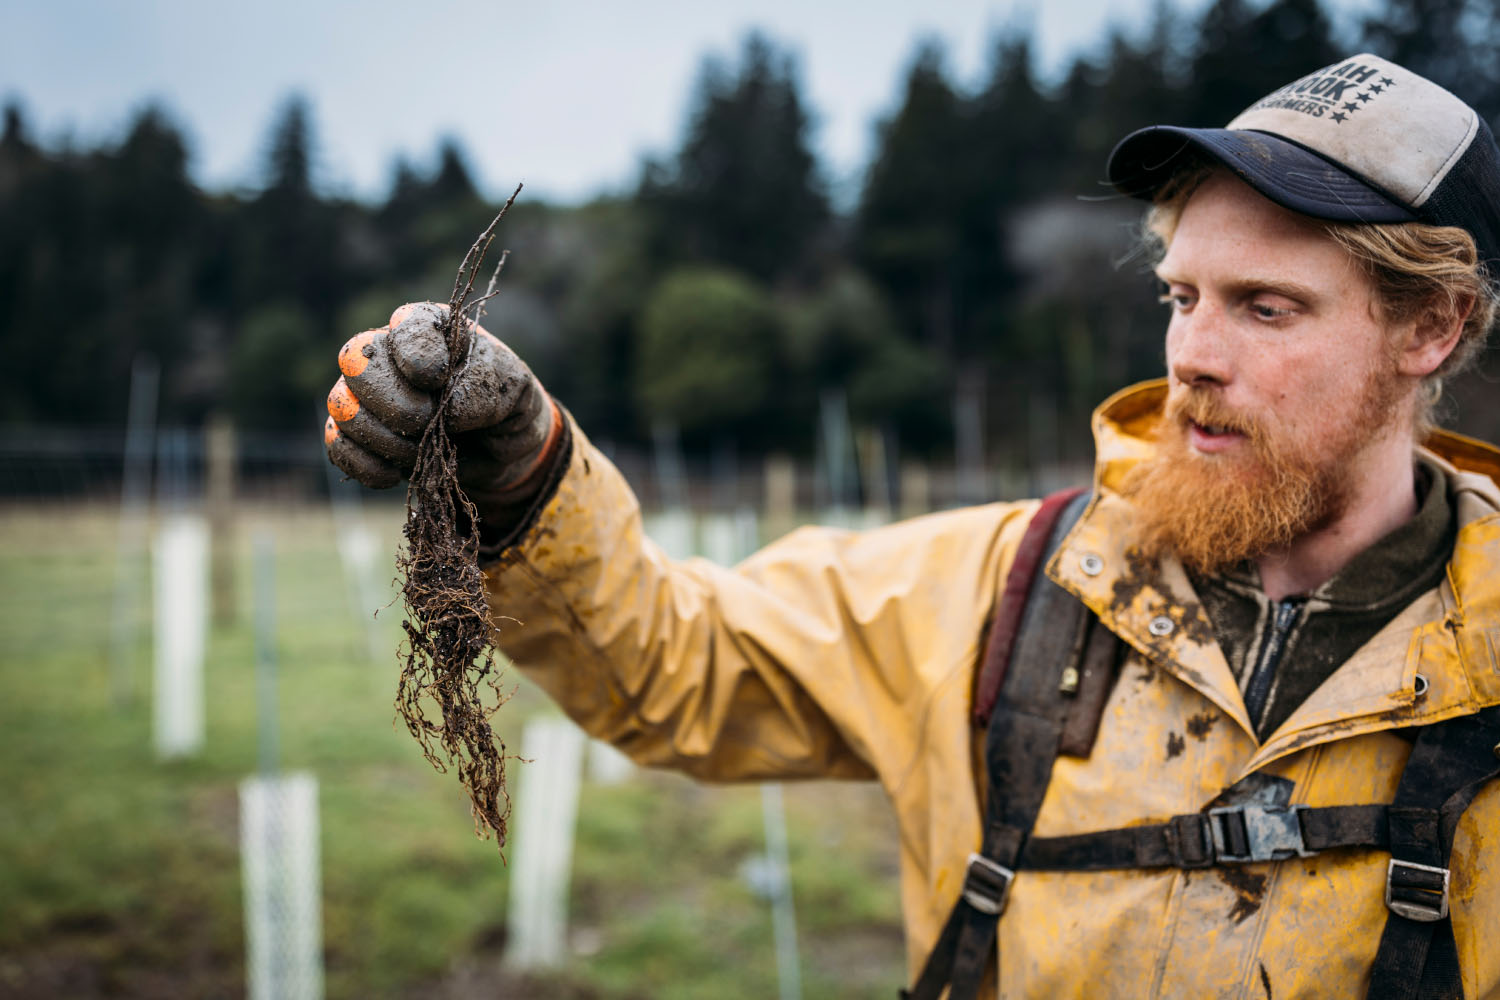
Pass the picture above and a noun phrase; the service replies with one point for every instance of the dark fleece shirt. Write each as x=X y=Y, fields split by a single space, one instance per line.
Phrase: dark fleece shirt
x=1323 y=629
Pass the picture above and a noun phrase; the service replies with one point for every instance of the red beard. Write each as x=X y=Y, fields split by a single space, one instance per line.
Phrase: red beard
x=1214 y=511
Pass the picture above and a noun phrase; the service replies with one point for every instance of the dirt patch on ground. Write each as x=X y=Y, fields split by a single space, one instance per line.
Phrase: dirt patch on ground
x=95 y=955
x=484 y=977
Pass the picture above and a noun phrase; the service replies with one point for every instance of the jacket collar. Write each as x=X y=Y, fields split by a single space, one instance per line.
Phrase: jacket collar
x=1450 y=635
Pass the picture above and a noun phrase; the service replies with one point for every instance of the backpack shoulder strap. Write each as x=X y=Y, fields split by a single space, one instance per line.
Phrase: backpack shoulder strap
x=1450 y=763
x=1031 y=558
x=1025 y=696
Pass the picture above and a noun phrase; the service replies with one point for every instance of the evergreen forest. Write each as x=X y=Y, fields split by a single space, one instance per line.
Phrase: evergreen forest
x=728 y=290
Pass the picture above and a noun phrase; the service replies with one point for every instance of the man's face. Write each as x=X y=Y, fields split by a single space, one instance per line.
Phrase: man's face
x=1281 y=377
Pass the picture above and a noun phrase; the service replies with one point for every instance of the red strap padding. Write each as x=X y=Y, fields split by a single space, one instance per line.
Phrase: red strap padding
x=1012 y=602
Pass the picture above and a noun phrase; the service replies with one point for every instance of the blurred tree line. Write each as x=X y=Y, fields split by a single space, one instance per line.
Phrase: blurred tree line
x=982 y=256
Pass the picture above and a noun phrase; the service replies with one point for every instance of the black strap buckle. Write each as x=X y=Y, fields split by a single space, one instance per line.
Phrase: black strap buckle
x=1190 y=841
x=1416 y=892
x=1258 y=833
x=987 y=884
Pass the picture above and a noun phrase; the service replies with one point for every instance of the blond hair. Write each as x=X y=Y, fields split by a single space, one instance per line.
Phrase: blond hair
x=1416 y=269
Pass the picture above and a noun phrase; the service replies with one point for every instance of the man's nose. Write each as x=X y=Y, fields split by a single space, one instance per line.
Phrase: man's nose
x=1198 y=349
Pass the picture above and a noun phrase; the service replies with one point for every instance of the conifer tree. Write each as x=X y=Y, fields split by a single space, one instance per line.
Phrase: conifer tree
x=1451 y=42
x=1242 y=54
x=743 y=190
x=908 y=227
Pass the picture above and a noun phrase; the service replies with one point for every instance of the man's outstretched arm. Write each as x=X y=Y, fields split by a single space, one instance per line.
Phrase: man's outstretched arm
x=821 y=656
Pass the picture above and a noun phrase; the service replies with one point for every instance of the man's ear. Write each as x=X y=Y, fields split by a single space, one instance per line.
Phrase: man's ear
x=1432 y=336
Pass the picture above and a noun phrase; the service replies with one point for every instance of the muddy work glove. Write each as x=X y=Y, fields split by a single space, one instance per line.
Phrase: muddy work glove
x=509 y=433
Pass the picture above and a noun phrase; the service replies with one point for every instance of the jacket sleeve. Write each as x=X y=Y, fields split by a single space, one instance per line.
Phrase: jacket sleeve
x=816 y=657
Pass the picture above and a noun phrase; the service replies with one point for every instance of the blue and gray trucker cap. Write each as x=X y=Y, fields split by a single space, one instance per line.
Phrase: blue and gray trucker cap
x=1363 y=140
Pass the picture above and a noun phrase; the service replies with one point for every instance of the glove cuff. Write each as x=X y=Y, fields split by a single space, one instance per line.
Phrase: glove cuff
x=518 y=490
x=506 y=514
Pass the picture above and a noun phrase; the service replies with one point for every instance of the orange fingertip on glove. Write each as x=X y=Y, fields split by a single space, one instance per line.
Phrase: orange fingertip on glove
x=341 y=402
x=352 y=357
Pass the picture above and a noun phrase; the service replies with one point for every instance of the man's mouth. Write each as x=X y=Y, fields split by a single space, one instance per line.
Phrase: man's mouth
x=1210 y=438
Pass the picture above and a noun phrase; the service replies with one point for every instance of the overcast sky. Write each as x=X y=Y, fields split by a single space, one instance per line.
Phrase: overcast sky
x=566 y=95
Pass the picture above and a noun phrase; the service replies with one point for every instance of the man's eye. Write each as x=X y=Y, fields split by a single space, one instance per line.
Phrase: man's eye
x=1265 y=311
x=1177 y=300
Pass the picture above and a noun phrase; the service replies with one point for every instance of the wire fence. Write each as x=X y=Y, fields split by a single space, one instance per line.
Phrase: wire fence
x=57 y=463
x=49 y=464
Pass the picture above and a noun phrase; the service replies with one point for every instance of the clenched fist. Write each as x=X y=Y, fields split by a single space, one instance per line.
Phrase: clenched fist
x=505 y=426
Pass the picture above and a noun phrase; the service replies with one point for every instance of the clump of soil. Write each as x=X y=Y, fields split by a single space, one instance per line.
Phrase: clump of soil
x=448 y=660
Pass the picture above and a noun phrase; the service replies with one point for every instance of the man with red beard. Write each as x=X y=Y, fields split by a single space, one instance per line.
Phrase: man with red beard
x=1223 y=727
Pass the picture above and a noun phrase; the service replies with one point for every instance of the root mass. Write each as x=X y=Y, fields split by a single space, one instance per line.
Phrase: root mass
x=448 y=659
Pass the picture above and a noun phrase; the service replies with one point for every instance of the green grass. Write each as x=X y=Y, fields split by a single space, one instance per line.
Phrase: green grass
x=120 y=874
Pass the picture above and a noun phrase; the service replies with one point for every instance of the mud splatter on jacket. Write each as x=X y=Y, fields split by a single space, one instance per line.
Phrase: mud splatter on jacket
x=852 y=655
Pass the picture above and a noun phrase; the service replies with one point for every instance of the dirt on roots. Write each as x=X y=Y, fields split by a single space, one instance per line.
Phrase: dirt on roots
x=448 y=659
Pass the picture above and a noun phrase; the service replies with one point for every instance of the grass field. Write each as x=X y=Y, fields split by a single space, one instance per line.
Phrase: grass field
x=120 y=875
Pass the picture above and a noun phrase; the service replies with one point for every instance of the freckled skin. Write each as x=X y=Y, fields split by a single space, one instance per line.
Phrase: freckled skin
x=1268 y=353
x=1276 y=318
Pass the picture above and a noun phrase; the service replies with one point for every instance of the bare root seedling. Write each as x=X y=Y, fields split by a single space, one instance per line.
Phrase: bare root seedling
x=449 y=656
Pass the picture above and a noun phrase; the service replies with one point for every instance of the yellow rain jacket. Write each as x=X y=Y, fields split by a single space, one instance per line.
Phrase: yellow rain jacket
x=837 y=654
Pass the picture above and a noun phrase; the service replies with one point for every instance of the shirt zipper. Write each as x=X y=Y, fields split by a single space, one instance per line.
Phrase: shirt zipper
x=1258 y=686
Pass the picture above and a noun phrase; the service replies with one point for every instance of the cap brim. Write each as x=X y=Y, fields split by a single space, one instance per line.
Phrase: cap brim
x=1283 y=171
